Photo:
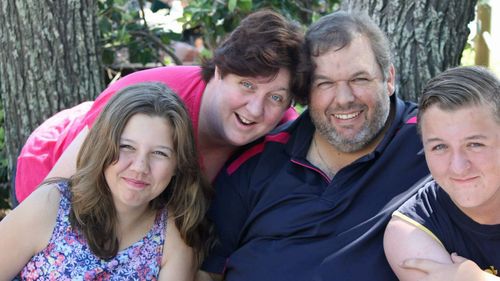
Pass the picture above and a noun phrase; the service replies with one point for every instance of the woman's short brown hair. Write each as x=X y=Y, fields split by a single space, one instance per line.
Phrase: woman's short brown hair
x=263 y=43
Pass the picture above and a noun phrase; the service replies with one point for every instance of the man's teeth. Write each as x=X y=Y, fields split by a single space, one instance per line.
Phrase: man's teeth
x=346 y=116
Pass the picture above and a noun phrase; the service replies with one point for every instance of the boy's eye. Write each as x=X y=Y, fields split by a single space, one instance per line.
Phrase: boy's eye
x=438 y=147
x=475 y=144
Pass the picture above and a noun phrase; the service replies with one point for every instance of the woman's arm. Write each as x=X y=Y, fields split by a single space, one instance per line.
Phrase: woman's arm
x=178 y=261
x=65 y=166
x=27 y=229
x=404 y=240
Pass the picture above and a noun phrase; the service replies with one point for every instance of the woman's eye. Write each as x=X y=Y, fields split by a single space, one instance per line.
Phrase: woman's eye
x=277 y=98
x=247 y=85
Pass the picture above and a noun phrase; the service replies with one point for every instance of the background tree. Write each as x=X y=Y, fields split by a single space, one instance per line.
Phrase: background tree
x=124 y=30
x=53 y=52
x=218 y=18
x=49 y=61
x=427 y=36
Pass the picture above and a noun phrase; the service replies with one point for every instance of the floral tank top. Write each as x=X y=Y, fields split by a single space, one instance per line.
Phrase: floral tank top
x=68 y=257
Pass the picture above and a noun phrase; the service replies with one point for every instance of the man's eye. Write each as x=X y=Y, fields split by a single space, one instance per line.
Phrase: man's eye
x=324 y=85
x=360 y=80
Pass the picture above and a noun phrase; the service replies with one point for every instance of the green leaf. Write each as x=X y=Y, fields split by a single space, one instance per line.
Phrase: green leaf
x=231 y=5
x=105 y=25
x=108 y=56
x=246 y=6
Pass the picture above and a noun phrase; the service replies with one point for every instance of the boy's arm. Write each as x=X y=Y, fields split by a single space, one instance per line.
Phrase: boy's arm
x=403 y=240
x=461 y=270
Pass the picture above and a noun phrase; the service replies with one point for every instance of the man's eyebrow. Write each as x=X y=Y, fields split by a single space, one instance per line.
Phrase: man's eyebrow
x=319 y=76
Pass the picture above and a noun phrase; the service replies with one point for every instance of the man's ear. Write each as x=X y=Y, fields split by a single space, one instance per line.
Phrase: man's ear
x=391 y=80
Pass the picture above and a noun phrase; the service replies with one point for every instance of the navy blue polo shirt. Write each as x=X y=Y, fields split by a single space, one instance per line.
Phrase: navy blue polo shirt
x=278 y=217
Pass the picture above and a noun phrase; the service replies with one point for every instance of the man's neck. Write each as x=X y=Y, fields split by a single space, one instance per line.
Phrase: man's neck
x=328 y=158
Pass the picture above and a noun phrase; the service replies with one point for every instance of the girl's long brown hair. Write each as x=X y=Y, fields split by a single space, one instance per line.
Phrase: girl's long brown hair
x=187 y=195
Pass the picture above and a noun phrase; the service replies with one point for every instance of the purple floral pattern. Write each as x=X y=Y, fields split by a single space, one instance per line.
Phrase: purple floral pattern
x=68 y=257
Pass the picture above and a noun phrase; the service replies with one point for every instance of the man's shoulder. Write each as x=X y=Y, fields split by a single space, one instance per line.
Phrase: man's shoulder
x=408 y=111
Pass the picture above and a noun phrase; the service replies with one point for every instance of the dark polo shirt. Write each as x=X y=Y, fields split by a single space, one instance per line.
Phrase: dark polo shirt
x=278 y=217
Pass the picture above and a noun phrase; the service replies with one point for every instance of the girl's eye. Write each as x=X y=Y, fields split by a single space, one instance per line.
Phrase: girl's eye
x=126 y=147
x=160 y=153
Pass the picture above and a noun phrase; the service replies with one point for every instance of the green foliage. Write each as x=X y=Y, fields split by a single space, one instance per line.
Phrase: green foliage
x=124 y=30
x=217 y=18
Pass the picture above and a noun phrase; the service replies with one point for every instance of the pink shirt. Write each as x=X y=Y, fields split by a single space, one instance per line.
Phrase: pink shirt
x=46 y=144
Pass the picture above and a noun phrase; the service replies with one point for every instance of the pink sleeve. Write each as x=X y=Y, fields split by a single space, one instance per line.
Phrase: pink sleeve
x=290 y=114
x=44 y=147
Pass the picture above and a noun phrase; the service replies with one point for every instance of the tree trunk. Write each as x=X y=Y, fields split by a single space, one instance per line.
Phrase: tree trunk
x=427 y=36
x=49 y=61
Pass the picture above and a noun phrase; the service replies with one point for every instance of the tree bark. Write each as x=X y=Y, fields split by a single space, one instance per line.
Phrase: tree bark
x=49 y=61
x=427 y=36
